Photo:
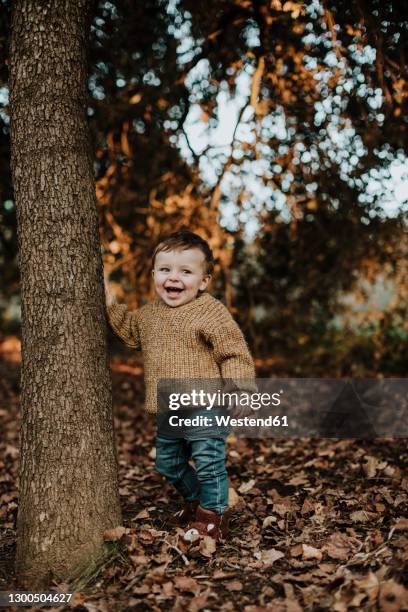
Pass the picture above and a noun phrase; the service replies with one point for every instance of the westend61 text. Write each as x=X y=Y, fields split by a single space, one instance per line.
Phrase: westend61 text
x=209 y=400
x=228 y=421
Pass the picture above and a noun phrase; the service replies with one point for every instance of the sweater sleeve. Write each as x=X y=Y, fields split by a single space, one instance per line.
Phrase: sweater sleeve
x=124 y=323
x=231 y=352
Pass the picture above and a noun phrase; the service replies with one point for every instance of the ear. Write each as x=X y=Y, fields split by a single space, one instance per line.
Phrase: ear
x=205 y=282
x=153 y=273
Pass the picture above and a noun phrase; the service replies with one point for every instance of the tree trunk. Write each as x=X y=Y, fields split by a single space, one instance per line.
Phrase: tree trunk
x=68 y=471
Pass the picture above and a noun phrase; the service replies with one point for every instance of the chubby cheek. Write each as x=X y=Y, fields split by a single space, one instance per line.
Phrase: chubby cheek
x=189 y=287
x=159 y=281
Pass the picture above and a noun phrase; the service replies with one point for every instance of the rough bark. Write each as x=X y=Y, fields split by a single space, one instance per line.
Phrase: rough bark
x=68 y=472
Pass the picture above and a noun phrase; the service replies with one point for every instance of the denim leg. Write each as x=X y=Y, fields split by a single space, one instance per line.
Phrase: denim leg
x=172 y=457
x=209 y=460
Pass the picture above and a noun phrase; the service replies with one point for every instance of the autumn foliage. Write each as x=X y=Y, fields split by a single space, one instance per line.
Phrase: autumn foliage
x=320 y=113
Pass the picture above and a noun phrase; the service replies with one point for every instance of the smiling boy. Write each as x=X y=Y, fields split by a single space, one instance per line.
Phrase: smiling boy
x=180 y=275
x=185 y=333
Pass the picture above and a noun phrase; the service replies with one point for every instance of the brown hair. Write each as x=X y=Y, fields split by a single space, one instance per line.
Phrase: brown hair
x=184 y=239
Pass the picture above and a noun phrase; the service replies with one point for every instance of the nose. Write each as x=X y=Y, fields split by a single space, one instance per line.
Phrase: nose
x=174 y=276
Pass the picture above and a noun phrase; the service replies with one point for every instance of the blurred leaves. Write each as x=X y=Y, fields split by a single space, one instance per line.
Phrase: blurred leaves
x=321 y=94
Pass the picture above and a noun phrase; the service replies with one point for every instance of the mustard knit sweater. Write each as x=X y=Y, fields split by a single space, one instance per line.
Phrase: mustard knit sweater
x=199 y=339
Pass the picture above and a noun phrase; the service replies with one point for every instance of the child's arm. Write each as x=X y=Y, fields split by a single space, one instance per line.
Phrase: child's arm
x=232 y=354
x=122 y=321
x=230 y=349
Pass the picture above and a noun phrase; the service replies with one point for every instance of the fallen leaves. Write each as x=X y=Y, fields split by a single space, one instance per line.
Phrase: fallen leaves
x=269 y=520
x=233 y=498
x=207 y=546
x=401 y=524
x=143 y=514
x=317 y=524
x=310 y=552
x=234 y=585
x=268 y=557
x=393 y=597
x=184 y=583
x=246 y=486
x=372 y=465
x=114 y=534
x=356 y=592
x=361 y=516
x=221 y=575
x=339 y=546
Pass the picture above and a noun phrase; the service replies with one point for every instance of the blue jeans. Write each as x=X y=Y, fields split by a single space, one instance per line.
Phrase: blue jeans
x=208 y=482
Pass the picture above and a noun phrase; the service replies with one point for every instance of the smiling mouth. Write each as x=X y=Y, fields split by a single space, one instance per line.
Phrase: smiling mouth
x=176 y=290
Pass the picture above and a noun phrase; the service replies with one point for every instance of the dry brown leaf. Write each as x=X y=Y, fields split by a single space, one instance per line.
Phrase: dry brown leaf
x=199 y=602
x=373 y=465
x=310 y=552
x=268 y=557
x=291 y=602
x=361 y=516
x=163 y=558
x=144 y=589
x=307 y=506
x=401 y=524
x=187 y=584
x=282 y=509
x=268 y=520
x=368 y=587
x=296 y=551
x=78 y=599
x=338 y=546
x=143 y=514
x=380 y=507
x=393 y=597
x=111 y=535
x=235 y=585
x=327 y=568
x=220 y=575
x=246 y=486
x=299 y=479
x=146 y=536
x=168 y=589
x=233 y=498
x=139 y=560
x=207 y=546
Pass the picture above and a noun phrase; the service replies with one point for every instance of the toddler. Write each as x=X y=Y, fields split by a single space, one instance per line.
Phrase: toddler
x=185 y=333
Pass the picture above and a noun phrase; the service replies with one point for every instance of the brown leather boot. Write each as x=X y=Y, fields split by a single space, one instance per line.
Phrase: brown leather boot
x=183 y=516
x=208 y=523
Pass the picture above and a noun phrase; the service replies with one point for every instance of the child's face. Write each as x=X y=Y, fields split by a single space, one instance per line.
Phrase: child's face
x=179 y=275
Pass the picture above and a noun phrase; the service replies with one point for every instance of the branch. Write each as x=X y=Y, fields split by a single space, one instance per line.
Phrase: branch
x=216 y=195
x=193 y=153
x=256 y=84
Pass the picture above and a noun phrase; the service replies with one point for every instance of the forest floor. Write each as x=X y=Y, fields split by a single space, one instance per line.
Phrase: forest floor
x=317 y=524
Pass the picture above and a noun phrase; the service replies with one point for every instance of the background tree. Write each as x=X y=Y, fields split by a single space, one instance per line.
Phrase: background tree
x=68 y=474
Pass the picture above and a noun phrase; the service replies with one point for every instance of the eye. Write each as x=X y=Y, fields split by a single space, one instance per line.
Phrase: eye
x=163 y=269
x=187 y=271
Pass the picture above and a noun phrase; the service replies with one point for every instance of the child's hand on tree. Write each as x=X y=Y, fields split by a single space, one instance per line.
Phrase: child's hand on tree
x=110 y=299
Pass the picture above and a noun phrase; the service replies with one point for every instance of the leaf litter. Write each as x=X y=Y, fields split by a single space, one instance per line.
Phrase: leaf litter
x=316 y=524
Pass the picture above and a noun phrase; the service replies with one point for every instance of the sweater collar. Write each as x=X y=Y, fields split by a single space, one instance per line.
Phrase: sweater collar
x=197 y=302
